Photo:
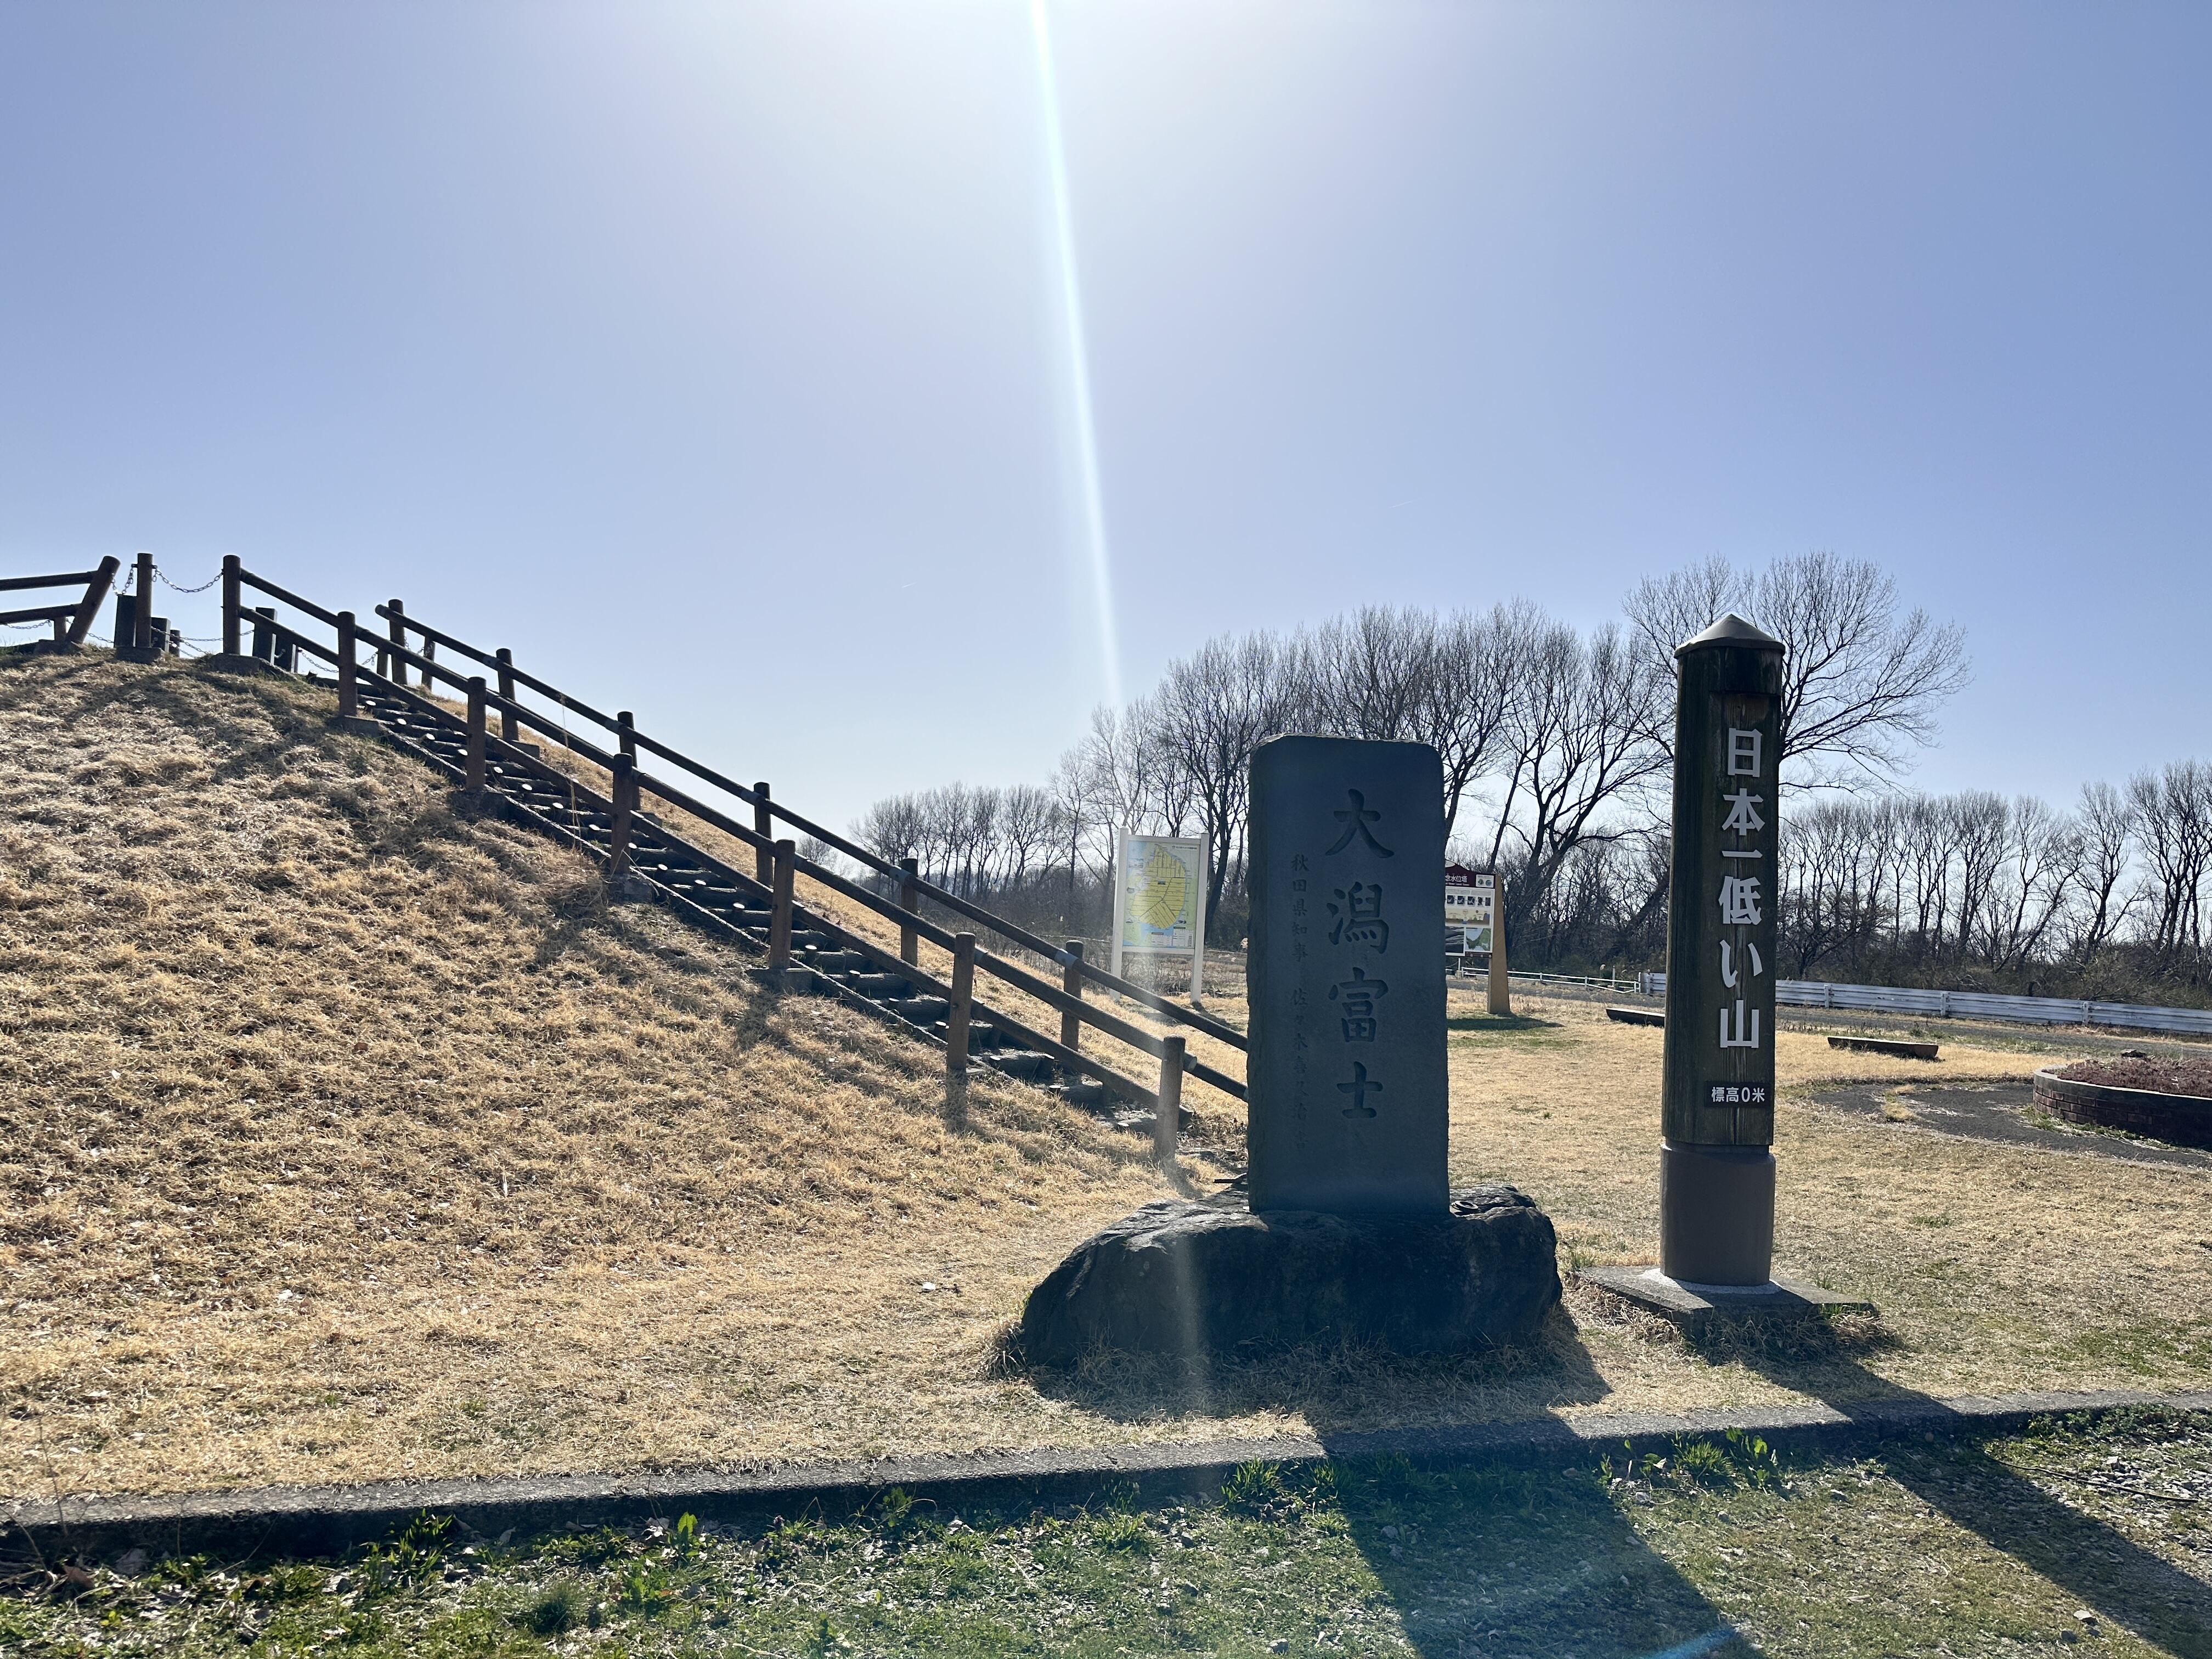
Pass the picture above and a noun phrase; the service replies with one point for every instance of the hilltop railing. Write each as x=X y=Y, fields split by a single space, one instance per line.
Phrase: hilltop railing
x=71 y=621
x=776 y=861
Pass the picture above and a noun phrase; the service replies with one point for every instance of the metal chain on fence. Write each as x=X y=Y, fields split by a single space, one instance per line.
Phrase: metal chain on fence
x=163 y=576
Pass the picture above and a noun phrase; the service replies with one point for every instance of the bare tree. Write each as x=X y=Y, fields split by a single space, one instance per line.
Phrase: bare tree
x=1216 y=707
x=1580 y=739
x=2043 y=863
x=1862 y=683
x=2106 y=828
x=2173 y=824
x=1407 y=676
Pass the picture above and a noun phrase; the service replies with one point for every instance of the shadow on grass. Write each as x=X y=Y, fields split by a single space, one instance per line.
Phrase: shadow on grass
x=1490 y=1559
x=1956 y=1475
x=1473 y=1559
x=1501 y=1025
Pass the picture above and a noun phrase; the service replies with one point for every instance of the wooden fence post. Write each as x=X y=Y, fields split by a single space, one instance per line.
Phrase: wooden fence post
x=348 y=689
x=625 y=808
x=398 y=631
x=778 y=920
x=909 y=900
x=230 y=604
x=507 y=690
x=142 y=634
x=764 y=827
x=1071 y=980
x=478 y=771
x=95 y=595
x=628 y=733
x=264 y=635
x=1168 y=1121
x=963 y=1001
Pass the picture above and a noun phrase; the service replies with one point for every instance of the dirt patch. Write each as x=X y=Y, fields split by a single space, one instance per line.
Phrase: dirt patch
x=2191 y=1076
x=2004 y=1114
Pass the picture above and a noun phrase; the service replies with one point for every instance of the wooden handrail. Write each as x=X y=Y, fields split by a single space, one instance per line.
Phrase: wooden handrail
x=1072 y=962
x=976 y=913
x=883 y=960
x=284 y=597
x=68 y=578
x=491 y=659
x=78 y=614
x=1013 y=973
x=44 y=613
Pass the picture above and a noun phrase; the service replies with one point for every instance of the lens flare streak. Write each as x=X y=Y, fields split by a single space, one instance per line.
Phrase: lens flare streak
x=1071 y=300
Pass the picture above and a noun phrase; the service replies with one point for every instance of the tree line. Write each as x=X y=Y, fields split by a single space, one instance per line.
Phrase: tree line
x=1556 y=746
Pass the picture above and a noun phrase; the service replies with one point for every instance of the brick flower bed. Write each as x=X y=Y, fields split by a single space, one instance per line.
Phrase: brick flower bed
x=2168 y=1100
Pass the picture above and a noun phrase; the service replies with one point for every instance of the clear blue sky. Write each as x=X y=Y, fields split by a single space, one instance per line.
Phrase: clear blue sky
x=714 y=356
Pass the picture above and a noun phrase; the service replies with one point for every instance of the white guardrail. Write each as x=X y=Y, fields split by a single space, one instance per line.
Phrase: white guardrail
x=1973 y=1005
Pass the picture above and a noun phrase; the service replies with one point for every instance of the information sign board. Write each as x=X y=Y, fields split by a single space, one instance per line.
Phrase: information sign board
x=1159 y=900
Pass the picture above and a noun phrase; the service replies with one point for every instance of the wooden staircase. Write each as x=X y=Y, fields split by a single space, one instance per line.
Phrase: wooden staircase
x=664 y=867
x=647 y=858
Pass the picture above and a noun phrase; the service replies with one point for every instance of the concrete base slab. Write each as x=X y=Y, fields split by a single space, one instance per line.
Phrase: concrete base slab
x=1635 y=1016
x=1694 y=1306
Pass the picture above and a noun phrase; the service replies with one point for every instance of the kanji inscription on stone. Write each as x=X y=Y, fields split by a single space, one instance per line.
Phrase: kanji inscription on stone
x=1346 y=1074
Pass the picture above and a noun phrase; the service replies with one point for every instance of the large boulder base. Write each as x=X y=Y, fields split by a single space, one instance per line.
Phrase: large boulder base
x=1182 y=1277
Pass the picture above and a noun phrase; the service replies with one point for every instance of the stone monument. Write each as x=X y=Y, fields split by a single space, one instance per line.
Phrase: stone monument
x=1717 y=1110
x=1346 y=978
x=1348 y=1230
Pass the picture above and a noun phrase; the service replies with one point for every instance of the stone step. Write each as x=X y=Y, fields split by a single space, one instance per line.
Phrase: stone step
x=922 y=1011
x=981 y=1034
x=1023 y=1063
x=837 y=961
x=883 y=987
x=1081 y=1091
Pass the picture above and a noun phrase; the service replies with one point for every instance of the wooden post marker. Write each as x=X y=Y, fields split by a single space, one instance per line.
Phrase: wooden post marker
x=397 y=613
x=230 y=604
x=781 y=870
x=349 y=687
x=506 y=690
x=909 y=900
x=963 y=999
x=625 y=807
x=1500 y=988
x=142 y=631
x=628 y=732
x=1716 y=1120
x=1071 y=980
x=1167 y=1121
x=476 y=769
x=764 y=827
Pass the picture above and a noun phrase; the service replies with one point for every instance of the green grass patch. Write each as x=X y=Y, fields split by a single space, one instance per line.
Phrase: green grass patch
x=2082 y=1531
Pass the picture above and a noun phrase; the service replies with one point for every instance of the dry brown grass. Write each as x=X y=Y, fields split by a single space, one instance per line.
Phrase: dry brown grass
x=1995 y=1267
x=344 y=1138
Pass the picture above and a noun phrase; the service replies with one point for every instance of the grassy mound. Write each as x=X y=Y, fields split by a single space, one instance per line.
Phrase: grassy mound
x=342 y=1134
x=345 y=1137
